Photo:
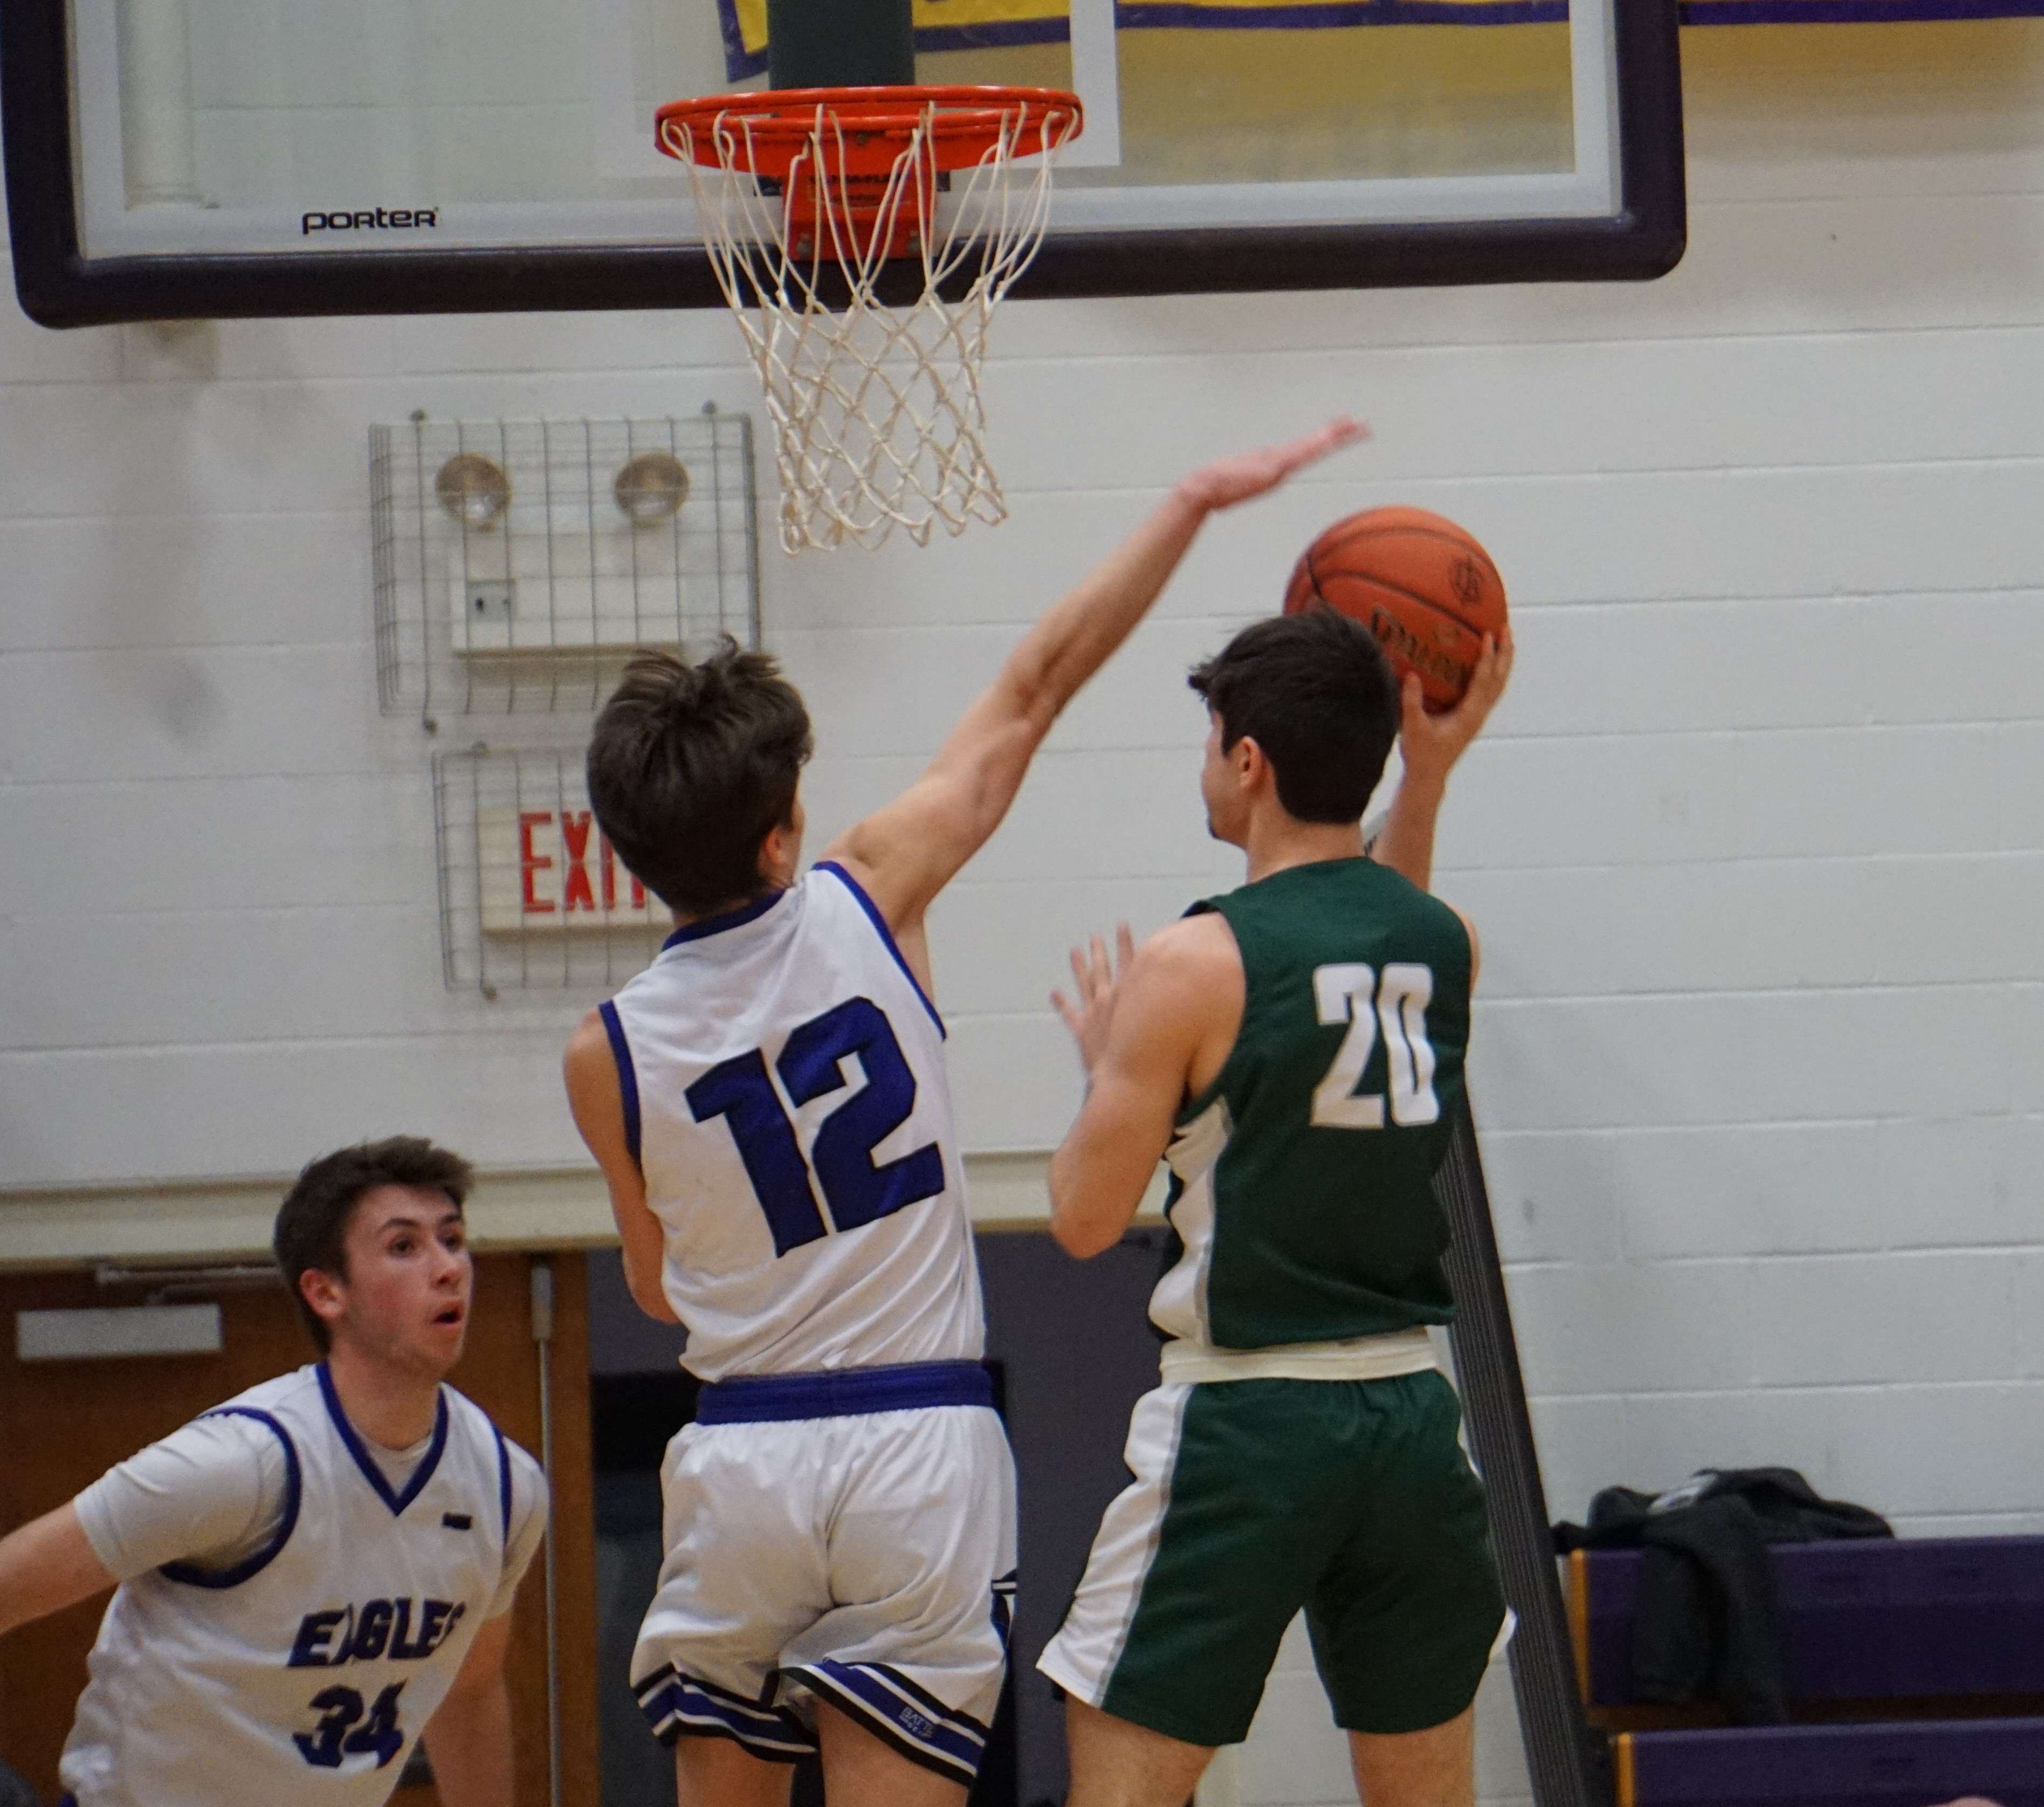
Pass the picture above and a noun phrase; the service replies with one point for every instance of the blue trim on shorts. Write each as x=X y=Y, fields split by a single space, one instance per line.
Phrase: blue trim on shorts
x=843 y=1392
x=193 y=1576
x=685 y=1706
x=909 y=1718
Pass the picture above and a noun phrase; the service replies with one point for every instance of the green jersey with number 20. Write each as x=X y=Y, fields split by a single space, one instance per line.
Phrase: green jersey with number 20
x=1301 y=1200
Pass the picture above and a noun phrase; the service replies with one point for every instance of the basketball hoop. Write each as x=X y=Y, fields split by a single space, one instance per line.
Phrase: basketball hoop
x=806 y=195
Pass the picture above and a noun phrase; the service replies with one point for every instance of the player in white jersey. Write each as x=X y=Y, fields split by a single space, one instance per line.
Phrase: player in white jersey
x=313 y=1574
x=769 y=1105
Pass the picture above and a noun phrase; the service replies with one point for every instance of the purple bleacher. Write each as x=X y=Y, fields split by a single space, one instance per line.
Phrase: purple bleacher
x=1911 y=1765
x=1875 y=1620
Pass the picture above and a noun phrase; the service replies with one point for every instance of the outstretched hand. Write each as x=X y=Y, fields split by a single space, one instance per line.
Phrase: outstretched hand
x=1096 y=978
x=1250 y=474
x=1430 y=744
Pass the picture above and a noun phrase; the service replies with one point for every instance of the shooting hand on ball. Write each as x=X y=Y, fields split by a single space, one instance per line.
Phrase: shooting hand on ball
x=1430 y=744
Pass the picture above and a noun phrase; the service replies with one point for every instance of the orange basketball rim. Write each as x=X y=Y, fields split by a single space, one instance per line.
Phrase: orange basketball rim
x=819 y=210
x=837 y=151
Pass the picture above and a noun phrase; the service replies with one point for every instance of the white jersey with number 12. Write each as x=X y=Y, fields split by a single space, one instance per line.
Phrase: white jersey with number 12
x=784 y=1088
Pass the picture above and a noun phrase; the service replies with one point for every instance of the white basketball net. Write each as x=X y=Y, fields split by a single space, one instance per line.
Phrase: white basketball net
x=878 y=416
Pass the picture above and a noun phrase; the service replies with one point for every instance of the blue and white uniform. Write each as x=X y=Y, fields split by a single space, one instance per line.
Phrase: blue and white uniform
x=785 y=1095
x=303 y=1669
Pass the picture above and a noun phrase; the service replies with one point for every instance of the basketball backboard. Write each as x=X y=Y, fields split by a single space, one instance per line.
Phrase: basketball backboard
x=170 y=158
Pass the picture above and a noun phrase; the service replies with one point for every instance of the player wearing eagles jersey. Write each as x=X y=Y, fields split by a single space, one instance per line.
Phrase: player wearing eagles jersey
x=1293 y=1050
x=316 y=1572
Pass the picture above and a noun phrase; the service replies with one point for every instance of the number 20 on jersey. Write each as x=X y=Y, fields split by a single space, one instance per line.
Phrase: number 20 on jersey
x=1394 y=1002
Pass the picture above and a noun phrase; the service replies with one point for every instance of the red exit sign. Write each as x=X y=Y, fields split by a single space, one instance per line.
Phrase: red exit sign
x=550 y=871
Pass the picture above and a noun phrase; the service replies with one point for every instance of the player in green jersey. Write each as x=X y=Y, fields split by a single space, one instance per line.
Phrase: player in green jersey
x=1293 y=1050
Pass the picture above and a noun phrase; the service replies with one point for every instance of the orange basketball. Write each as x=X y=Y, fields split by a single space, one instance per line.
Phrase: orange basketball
x=1418 y=582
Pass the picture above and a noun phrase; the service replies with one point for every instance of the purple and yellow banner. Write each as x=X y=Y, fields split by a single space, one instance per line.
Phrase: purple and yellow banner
x=972 y=24
x=1850 y=12
x=978 y=24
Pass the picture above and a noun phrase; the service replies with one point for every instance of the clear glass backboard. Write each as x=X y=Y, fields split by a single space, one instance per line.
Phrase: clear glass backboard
x=171 y=157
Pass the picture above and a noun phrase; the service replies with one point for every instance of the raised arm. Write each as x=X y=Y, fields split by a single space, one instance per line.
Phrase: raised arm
x=907 y=852
x=1428 y=746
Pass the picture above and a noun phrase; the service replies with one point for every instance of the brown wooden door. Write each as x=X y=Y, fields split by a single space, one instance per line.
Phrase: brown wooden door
x=64 y=1424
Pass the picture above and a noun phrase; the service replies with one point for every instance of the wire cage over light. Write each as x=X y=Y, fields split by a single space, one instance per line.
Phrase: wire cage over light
x=531 y=896
x=519 y=563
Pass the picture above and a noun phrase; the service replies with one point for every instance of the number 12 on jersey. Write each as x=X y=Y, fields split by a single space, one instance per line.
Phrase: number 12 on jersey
x=741 y=1091
x=1356 y=995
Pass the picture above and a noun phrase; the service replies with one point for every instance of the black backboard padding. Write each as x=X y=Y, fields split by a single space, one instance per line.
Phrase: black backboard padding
x=1568 y=1761
x=59 y=286
x=840 y=44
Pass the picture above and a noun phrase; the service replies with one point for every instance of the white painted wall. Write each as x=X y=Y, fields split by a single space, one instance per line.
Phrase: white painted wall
x=1755 y=844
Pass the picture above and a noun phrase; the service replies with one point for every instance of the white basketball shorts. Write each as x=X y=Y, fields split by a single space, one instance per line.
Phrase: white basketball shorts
x=847 y=1537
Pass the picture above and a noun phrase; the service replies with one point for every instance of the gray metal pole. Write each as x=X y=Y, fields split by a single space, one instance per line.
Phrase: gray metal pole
x=542 y=1337
x=1570 y=1763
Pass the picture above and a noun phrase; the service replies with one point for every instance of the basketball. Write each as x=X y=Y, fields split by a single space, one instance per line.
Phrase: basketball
x=1418 y=582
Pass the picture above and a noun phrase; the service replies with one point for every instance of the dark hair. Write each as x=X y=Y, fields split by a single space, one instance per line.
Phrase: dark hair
x=690 y=767
x=1315 y=691
x=312 y=1223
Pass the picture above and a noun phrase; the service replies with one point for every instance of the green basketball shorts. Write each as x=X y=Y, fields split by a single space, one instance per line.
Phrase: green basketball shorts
x=1254 y=1498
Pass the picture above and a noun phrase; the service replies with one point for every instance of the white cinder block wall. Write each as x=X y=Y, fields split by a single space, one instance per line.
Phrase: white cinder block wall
x=1755 y=842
